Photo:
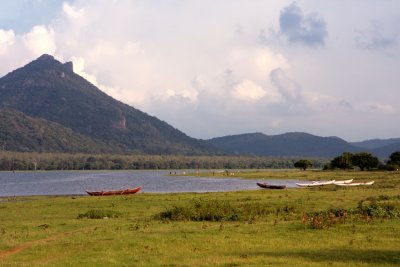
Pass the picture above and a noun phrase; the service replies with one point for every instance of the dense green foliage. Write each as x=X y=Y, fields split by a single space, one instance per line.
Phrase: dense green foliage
x=48 y=89
x=368 y=209
x=217 y=210
x=56 y=161
x=19 y=132
x=99 y=214
x=362 y=160
x=394 y=161
x=303 y=164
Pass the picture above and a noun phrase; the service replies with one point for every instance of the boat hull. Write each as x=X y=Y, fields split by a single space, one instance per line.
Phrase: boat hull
x=315 y=183
x=267 y=186
x=357 y=184
x=127 y=191
x=343 y=182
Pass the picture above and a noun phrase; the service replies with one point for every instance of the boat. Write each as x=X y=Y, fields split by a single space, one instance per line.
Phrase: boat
x=356 y=184
x=114 y=192
x=344 y=182
x=315 y=183
x=270 y=186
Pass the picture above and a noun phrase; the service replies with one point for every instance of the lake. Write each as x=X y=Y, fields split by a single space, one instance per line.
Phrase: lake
x=76 y=182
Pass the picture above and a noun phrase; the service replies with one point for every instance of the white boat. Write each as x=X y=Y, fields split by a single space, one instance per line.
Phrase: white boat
x=315 y=183
x=356 y=184
x=343 y=182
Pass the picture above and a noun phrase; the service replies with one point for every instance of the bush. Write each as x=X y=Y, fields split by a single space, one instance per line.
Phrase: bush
x=99 y=214
x=383 y=209
x=382 y=206
x=326 y=219
x=215 y=210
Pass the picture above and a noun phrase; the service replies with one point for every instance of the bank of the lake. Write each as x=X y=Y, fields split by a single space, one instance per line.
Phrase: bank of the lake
x=292 y=227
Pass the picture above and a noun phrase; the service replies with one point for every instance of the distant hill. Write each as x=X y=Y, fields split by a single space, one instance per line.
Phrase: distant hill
x=376 y=143
x=48 y=89
x=19 y=132
x=385 y=151
x=288 y=144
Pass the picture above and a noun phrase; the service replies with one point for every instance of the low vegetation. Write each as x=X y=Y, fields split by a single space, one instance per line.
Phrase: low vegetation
x=57 y=161
x=357 y=226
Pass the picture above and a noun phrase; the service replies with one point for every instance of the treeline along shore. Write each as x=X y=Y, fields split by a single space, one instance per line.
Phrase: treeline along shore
x=17 y=161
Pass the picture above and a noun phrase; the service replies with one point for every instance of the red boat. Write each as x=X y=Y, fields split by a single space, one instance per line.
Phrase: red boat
x=268 y=186
x=115 y=192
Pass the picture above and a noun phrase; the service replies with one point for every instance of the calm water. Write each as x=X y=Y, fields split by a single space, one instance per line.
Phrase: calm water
x=75 y=182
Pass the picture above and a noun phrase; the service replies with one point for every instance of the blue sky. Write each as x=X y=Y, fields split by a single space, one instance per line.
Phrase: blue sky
x=213 y=68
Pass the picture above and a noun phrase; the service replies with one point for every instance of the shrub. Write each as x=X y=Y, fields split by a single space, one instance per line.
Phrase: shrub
x=99 y=214
x=382 y=209
x=382 y=206
x=215 y=210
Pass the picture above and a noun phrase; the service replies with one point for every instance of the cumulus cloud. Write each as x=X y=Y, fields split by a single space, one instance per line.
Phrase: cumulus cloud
x=297 y=28
x=248 y=91
x=72 y=12
x=40 y=40
x=18 y=49
x=6 y=40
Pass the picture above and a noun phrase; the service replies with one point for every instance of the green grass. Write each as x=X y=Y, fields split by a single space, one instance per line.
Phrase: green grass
x=260 y=228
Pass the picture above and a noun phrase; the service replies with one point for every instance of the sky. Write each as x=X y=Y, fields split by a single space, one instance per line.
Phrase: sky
x=212 y=68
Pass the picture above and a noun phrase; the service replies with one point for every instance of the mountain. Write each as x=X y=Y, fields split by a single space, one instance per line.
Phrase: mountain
x=287 y=144
x=19 y=132
x=376 y=143
x=45 y=88
x=385 y=151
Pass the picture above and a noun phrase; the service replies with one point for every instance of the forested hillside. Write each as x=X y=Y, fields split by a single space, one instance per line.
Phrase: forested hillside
x=48 y=89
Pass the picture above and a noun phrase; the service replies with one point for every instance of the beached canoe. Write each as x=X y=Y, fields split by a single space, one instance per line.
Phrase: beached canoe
x=343 y=182
x=270 y=186
x=114 y=192
x=356 y=184
x=315 y=183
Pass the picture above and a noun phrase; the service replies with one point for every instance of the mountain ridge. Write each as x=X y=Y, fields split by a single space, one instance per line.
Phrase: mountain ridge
x=286 y=144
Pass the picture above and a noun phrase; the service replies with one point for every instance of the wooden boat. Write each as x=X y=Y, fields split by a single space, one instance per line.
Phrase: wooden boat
x=315 y=183
x=114 y=192
x=343 y=182
x=270 y=186
x=356 y=184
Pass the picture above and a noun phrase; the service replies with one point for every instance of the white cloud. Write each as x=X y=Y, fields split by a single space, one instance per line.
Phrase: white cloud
x=79 y=68
x=40 y=40
x=7 y=39
x=248 y=91
x=72 y=12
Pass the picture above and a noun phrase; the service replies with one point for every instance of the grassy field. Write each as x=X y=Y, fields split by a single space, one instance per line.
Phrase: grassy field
x=327 y=226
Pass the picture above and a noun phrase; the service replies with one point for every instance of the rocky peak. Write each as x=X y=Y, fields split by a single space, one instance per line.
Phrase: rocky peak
x=69 y=66
x=48 y=62
x=46 y=57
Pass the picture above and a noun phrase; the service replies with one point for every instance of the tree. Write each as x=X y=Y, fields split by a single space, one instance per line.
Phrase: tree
x=395 y=158
x=303 y=164
x=364 y=160
x=342 y=162
x=394 y=161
